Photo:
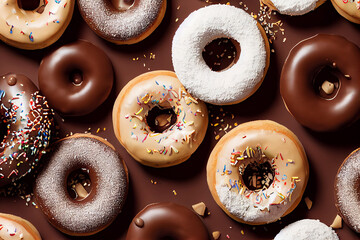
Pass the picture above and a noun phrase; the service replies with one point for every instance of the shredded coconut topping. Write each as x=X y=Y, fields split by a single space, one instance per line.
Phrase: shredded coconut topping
x=111 y=189
x=307 y=229
x=347 y=194
x=200 y=28
x=119 y=25
x=294 y=7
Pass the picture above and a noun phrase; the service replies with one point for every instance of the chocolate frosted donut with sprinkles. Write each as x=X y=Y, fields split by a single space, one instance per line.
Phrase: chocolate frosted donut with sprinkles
x=123 y=21
x=157 y=121
x=26 y=124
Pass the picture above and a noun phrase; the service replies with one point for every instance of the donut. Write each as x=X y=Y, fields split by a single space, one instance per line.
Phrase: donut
x=307 y=229
x=349 y=9
x=231 y=85
x=123 y=21
x=293 y=7
x=257 y=172
x=37 y=28
x=14 y=227
x=347 y=190
x=157 y=121
x=57 y=187
x=167 y=220
x=76 y=78
x=26 y=127
x=319 y=83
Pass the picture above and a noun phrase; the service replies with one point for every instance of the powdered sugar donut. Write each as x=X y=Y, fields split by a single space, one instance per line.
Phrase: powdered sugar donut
x=307 y=229
x=123 y=21
x=347 y=190
x=234 y=84
x=293 y=7
x=34 y=29
x=89 y=210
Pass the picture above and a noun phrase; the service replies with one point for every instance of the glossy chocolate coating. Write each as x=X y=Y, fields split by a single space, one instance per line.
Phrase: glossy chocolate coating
x=26 y=122
x=302 y=66
x=167 y=221
x=76 y=78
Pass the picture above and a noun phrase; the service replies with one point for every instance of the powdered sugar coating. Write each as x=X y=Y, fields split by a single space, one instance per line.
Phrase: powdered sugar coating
x=347 y=190
x=200 y=28
x=110 y=192
x=307 y=229
x=294 y=7
x=117 y=25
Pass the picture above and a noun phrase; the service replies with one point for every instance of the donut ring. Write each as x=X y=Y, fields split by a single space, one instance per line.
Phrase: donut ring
x=26 y=127
x=293 y=7
x=34 y=29
x=14 y=227
x=81 y=78
x=123 y=24
x=307 y=229
x=167 y=221
x=180 y=138
x=234 y=84
x=109 y=180
x=309 y=59
x=349 y=9
x=347 y=190
x=261 y=145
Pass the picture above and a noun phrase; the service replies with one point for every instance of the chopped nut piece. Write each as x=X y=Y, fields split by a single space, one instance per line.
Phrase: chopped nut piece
x=199 y=208
x=337 y=223
x=216 y=235
x=308 y=203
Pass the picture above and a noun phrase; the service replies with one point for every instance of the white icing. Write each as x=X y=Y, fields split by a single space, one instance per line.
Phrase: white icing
x=307 y=229
x=294 y=7
x=110 y=192
x=118 y=25
x=200 y=28
x=347 y=185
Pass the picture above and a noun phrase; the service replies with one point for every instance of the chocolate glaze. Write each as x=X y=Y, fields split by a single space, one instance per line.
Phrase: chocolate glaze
x=302 y=66
x=76 y=78
x=26 y=122
x=167 y=221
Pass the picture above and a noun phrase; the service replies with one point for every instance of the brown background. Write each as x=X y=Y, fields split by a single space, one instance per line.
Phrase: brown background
x=325 y=151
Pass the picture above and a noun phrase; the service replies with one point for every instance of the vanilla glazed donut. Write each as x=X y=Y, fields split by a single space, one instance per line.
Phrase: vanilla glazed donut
x=319 y=83
x=76 y=78
x=257 y=173
x=123 y=21
x=13 y=227
x=307 y=229
x=293 y=7
x=157 y=121
x=26 y=127
x=347 y=190
x=34 y=29
x=89 y=211
x=349 y=9
x=231 y=85
x=167 y=220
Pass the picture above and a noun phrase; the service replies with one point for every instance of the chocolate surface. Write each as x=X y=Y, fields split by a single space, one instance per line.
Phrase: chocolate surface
x=76 y=78
x=167 y=221
x=311 y=62
x=326 y=151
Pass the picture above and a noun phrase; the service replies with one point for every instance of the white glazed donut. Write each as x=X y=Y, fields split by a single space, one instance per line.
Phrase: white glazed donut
x=234 y=84
x=34 y=29
x=307 y=229
x=293 y=7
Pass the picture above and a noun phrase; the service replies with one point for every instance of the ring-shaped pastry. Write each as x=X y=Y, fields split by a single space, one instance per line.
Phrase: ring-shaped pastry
x=293 y=7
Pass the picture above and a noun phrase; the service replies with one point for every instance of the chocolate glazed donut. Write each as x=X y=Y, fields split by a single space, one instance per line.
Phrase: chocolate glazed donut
x=76 y=78
x=320 y=82
x=167 y=221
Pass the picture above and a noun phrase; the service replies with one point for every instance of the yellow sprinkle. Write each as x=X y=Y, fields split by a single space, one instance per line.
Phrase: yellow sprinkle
x=177 y=19
x=217 y=137
x=242 y=232
x=104 y=129
x=281 y=196
x=174 y=192
x=98 y=130
x=149 y=151
x=235 y=124
x=139 y=111
x=216 y=124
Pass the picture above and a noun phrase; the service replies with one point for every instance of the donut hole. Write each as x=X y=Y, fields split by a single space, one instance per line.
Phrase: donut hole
x=221 y=53
x=258 y=175
x=29 y=5
x=160 y=119
x=123 y=5
x=326 y=82
x=76 y=77
x=79 y=184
